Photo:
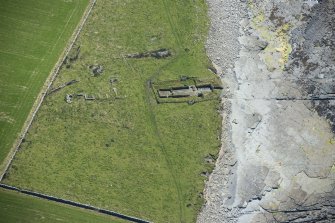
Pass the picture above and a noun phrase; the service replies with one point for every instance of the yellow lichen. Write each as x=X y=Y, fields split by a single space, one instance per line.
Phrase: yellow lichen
x=251 y=4
x=333 y=168
x=277 y=38
x=284 y=45
x=259 y=18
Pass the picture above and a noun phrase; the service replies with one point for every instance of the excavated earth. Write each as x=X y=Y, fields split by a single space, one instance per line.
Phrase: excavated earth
x=277 y=158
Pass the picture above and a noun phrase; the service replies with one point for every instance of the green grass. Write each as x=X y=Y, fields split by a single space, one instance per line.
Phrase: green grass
x=16 y=207
x=127 y=153
x=33 y=34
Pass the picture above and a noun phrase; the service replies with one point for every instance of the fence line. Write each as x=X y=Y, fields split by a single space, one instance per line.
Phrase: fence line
x=48 y=83
x=73 y=203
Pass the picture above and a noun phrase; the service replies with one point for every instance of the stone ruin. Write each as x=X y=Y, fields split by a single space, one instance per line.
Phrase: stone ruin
x=62 y=86
x=186 y=91
x=158 y=54
x=69 y=97
x=96 y=70
x=72 y=56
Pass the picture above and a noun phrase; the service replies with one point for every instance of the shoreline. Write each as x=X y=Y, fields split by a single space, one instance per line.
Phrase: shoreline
x=220 y=39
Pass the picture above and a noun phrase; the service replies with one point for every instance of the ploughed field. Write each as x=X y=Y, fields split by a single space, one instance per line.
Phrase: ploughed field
x=104 y=140
x=16 y=207
x=33 y=35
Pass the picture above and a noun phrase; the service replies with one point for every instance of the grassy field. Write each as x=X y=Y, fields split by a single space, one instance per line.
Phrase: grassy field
x=16 y=207
x=33 y=34
x=124 y=151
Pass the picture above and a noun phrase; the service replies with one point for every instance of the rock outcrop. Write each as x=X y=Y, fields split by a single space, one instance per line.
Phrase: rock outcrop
x=278 y=145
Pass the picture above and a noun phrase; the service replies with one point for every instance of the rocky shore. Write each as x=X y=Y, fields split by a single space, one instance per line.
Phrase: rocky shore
x=277 y=158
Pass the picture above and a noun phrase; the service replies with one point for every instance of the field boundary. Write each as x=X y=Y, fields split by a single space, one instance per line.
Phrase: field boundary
x=52 y=76
x=74 y=204
x=41 y=96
